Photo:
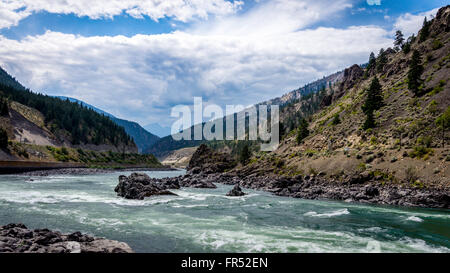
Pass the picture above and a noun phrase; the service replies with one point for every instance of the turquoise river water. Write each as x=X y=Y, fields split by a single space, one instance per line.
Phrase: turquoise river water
x=205 y=220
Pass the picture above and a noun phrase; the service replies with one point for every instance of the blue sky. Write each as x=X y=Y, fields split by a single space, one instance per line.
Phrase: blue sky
x=137 y=59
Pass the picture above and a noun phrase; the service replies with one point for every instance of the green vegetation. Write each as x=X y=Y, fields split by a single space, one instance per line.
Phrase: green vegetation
x=372 y=61
x=438 y=88
x=244 y=155
x=93 y=158
x=437 y=44
x=407 y=46
x=443 y=122
x=421 y=152
x=374 y=101
x=302 y=131
x=411 y=175
x=4 y=109
x=414 y=73
x=84 y=125
x=425 y=31
x=399 y=40
x=3 y=139
x=336 y=120
x=381 y=61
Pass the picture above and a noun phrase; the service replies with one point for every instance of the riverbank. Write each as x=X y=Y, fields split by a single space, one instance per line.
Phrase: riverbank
x=37 y=168
x=18 y=238
x=362 y=189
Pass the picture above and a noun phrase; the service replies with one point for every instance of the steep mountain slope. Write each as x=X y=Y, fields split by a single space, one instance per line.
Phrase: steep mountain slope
x=297 y=103
x=158 y=130
x=408 y=144
x=141 y=137
x=6 y=79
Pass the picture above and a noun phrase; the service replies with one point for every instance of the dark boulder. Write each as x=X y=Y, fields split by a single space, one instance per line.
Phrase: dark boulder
x=236 y=191
x=140 y=185
x=16 y=238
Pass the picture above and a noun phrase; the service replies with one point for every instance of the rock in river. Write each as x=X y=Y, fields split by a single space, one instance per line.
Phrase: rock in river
x=236 y=191
x=140 y=185
x=18 y=238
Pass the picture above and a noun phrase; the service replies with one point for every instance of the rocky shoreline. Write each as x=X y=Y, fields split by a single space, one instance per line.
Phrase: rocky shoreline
x=17 y=238
x=90 y=171
x=208 y=167
x=355 y=189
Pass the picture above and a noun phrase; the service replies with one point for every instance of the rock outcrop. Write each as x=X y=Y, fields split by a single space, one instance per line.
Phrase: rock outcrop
x=236 y=191
x=17 y=238
x=351 y=76
x=140 y=185
x=210 y=161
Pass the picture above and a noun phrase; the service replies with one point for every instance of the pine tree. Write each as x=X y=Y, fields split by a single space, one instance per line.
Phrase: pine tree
x=3 y=139
x=370 y=121
x=4 y=109
x=399 y=40
x=372 y=61
x=245 y=154
x=425 y=31
x=302 y=131
x=374 y=101
x=381 y=61
x=336 y=120
x=414 y=73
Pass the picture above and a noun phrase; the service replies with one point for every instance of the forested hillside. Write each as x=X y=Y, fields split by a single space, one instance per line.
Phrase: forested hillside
x=68 y=119
x=141 y=136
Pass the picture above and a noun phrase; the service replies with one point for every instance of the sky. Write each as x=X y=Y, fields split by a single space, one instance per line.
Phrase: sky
x=136 y=59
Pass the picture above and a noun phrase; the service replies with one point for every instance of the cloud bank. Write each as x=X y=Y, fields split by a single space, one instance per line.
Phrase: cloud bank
x=240 y=58
x=12 y=11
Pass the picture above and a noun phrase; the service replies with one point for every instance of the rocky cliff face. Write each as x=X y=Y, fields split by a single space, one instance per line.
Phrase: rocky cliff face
x=210 y=161
x=351 y=76
x=19 y=239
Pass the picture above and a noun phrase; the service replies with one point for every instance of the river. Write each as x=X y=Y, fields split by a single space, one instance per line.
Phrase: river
x=205 y=220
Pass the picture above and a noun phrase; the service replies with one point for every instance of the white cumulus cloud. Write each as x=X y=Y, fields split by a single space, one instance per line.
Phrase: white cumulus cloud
x=410 y=24
x=12 y=11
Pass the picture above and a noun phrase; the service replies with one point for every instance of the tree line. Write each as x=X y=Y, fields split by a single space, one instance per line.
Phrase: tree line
x=84 y=125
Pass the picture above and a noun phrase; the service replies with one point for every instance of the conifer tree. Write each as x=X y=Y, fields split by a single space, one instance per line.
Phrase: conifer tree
x=245 y=154
x=372 y=61
x=374 y=101
x=381 y=61
x=3 y=139
x=302 y=131
x=425 y=31
x=399 y=40
x=370 y=121
x=4 y=109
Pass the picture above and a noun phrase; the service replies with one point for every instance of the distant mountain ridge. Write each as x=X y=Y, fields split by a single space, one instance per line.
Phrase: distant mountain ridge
x=141 y=137
x=308 y=98
x=157 y=129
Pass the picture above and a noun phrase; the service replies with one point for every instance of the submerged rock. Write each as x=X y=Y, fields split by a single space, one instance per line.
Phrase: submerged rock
x=236 y=191
x=19 y=239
